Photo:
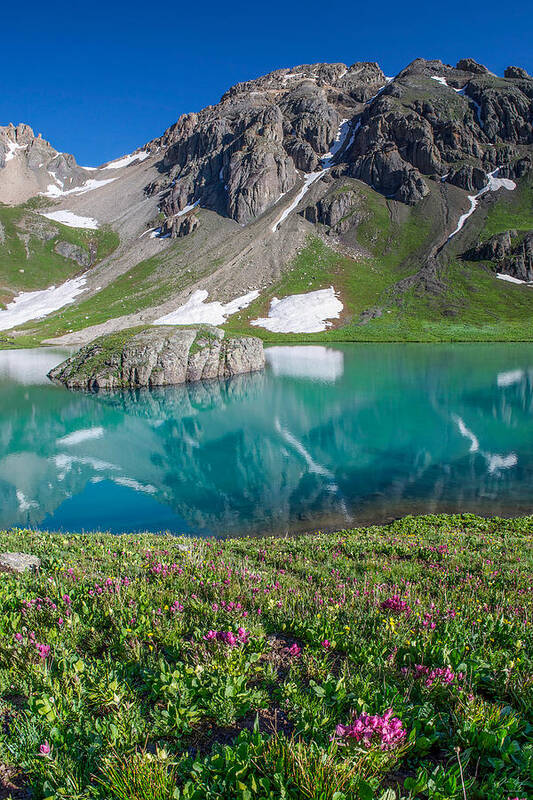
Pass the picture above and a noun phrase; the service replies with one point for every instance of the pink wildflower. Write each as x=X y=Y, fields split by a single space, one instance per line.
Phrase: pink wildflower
x=44 y=749
x=386 y=731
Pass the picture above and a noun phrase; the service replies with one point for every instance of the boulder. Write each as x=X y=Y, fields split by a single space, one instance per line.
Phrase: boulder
x=18 y=562
x=159 y=356
x=181 y=226
x=494 y=249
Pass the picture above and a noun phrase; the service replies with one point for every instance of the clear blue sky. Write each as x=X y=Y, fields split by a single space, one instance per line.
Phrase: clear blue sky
x=99 y=79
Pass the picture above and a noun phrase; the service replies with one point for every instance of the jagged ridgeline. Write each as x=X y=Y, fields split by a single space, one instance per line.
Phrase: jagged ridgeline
x=411 y=196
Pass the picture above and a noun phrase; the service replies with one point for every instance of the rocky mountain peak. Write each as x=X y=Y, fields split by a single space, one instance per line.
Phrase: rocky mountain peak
x=267 y=134
x=29 y=165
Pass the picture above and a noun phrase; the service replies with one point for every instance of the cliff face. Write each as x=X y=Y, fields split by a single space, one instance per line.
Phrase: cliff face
x=159 y=356
x=431 y=121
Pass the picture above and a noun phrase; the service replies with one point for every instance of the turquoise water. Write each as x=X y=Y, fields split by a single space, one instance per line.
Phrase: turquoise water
x=326 y=437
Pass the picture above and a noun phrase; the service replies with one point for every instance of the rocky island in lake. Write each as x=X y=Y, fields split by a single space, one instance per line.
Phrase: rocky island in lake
x=159 y=356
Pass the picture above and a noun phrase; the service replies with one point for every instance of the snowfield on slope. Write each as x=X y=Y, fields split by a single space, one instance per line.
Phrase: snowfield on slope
x=126 y=160
x=35 y=305
x=326 y=162
x=494 y=183
x=197 y=310
x=70 y=219
x=302 y=313
x=88 y=186
x=510 y=279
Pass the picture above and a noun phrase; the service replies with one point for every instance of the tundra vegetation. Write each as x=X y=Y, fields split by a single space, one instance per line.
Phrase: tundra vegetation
x=386 y=663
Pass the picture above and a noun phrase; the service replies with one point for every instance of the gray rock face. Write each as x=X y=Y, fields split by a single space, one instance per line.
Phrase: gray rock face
x=180 y=226
x=511 y=253
x=159 y=356
x=238 y=157
x=338 y=211
x=385 y=170
x=73 y=253
x=469 y=65
x=468 y=177
x=18 y=562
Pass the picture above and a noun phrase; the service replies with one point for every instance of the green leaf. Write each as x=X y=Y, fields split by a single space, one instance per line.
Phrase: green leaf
x=365 y=791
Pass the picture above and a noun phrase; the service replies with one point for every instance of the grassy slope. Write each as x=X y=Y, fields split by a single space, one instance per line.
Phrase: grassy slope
x=475 y=305
x=44 y=267
x=145 y=285
x=133 y=702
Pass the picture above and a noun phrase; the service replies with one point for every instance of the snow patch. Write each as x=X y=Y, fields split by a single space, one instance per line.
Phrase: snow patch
x=186 y=210
x=312 y=465
x=312 y=362
x=302 y=313
x=71 y=220
x=340 y=138
x=495 y=462
x=510 y=279
x=126 y=160
x=439 y=79
x=35 y=305
x=197 y=310
x=131 y=483
x=310 y=178
x=64 y=464
x=88 y=186
x=494 y=183
x=24 y=503
x=12 y=147
x=326 y=162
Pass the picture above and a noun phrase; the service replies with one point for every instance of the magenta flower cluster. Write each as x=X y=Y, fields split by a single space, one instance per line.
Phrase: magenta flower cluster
x=228 y=637
x=396 y=604
x=386 y=731
x=442 y=675
x=42 y=649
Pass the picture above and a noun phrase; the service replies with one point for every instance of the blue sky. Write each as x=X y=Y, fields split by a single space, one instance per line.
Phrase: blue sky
x=100 y=79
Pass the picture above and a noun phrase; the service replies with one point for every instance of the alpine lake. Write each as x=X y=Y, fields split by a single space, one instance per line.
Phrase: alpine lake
x=327 y=437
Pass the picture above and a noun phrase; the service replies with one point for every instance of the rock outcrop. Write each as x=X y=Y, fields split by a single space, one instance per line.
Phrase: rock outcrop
x=73 y=253
x=339 y=211
x=510 y=252
x=159 y=356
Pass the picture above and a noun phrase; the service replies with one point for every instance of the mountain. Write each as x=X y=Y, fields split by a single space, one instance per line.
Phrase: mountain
x=323 y=201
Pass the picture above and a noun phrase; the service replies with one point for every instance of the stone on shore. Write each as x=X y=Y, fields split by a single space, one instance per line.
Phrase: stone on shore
x=18 y=562
x=159 y=356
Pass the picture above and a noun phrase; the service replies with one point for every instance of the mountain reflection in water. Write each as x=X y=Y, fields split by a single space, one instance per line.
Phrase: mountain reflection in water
x=326 y=437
